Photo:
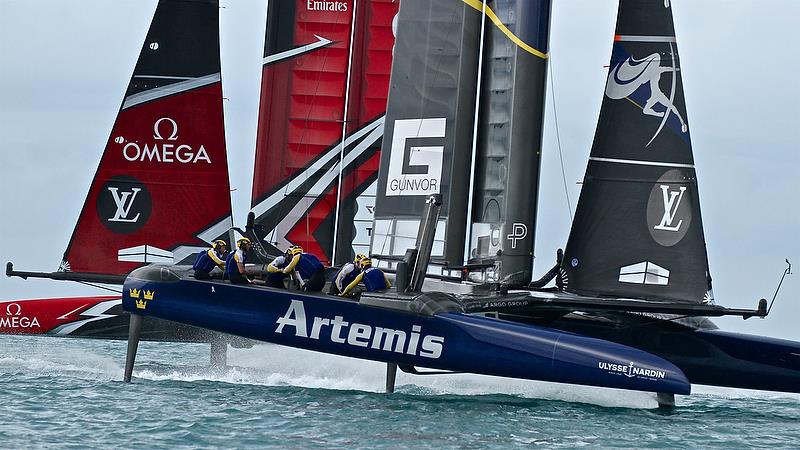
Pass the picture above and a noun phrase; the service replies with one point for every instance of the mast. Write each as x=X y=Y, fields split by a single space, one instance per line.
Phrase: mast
x=510 y=138
x=637 y=230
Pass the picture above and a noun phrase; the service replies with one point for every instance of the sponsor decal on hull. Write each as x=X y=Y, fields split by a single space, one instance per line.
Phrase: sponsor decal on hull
x=14 y=319
x=631 y=371
x=340 y=331
x=141 y=297
x=53 y=316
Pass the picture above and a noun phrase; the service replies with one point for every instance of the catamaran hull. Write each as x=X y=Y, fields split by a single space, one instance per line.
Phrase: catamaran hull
x=707 y=356
x=446 y=341
x=99 y=317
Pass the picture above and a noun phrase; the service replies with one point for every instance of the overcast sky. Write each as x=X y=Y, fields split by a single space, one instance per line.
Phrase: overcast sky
x=65 y=65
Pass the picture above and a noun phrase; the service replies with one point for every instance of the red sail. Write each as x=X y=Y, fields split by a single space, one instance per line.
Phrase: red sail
x=315 y=79
x=161 y=191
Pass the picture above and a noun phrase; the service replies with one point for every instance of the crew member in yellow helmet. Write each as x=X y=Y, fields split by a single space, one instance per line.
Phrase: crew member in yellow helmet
x=208 y=259
x=374 y=279
x=304 y=267
x=234 y=264
x=347 y=274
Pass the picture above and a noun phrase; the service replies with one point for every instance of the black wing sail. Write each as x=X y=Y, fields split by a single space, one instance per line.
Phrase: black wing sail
x=637 y=231
x=510 y=137
x=429 y=126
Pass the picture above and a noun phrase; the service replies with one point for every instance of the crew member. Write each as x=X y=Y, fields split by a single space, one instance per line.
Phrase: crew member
x=275 y=273
x=347 y=274
x=374 y=279
x=234 y=263
x=207 y=260
x=305 y=267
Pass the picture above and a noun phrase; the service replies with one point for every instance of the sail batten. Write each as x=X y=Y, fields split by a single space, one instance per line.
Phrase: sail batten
x=637 y=230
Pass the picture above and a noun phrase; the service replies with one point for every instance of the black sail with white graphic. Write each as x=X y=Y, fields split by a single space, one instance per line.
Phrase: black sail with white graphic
x=429 y=123
x=510 y=137
x=637 y=231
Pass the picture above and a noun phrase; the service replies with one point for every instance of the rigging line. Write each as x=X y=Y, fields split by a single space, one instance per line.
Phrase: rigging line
x=475 y=125
x=344 y=131
x=558 y=135
x=100 y=287
x=306 y=136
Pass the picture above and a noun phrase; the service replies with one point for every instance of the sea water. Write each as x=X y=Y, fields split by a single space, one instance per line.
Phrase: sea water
x=68 y=393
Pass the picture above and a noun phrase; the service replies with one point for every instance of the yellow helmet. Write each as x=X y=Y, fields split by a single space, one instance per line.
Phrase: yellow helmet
x=242 y=242
x=294 y=250
x=359 y=257
x=219 y=243
x=365 y=262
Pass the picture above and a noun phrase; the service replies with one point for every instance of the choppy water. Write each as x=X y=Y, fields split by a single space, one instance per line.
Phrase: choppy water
x=67 y=393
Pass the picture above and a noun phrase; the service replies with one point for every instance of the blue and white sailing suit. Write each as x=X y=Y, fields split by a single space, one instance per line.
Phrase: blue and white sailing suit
x=308 y=267
x=232 y=267
x=346 y=275
x=374 y=280
x=205 y=263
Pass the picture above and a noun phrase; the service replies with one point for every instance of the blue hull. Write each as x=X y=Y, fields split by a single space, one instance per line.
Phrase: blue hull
x=446 y=341
x=707 y=356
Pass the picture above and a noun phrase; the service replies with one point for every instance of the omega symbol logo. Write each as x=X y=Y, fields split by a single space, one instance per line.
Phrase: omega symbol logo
x=13 y=309
x=171 y=126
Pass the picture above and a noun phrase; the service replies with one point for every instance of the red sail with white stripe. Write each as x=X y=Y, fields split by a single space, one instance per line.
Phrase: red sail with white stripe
x=161 y=191
x=323 y=97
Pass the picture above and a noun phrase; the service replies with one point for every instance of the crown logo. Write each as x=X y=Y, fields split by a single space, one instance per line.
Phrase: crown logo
x=134 y=293
x=141 y=304
x=148 y=295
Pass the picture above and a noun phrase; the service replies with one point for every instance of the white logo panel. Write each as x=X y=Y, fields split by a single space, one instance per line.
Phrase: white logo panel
x=429 y=159
x=644 y=273
x=145 y=254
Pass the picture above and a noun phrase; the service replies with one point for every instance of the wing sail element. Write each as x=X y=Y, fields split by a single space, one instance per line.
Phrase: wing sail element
x=161 y=191
x=510 y=129
x=324 y=86
x=429 y=127
x=637 y=230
